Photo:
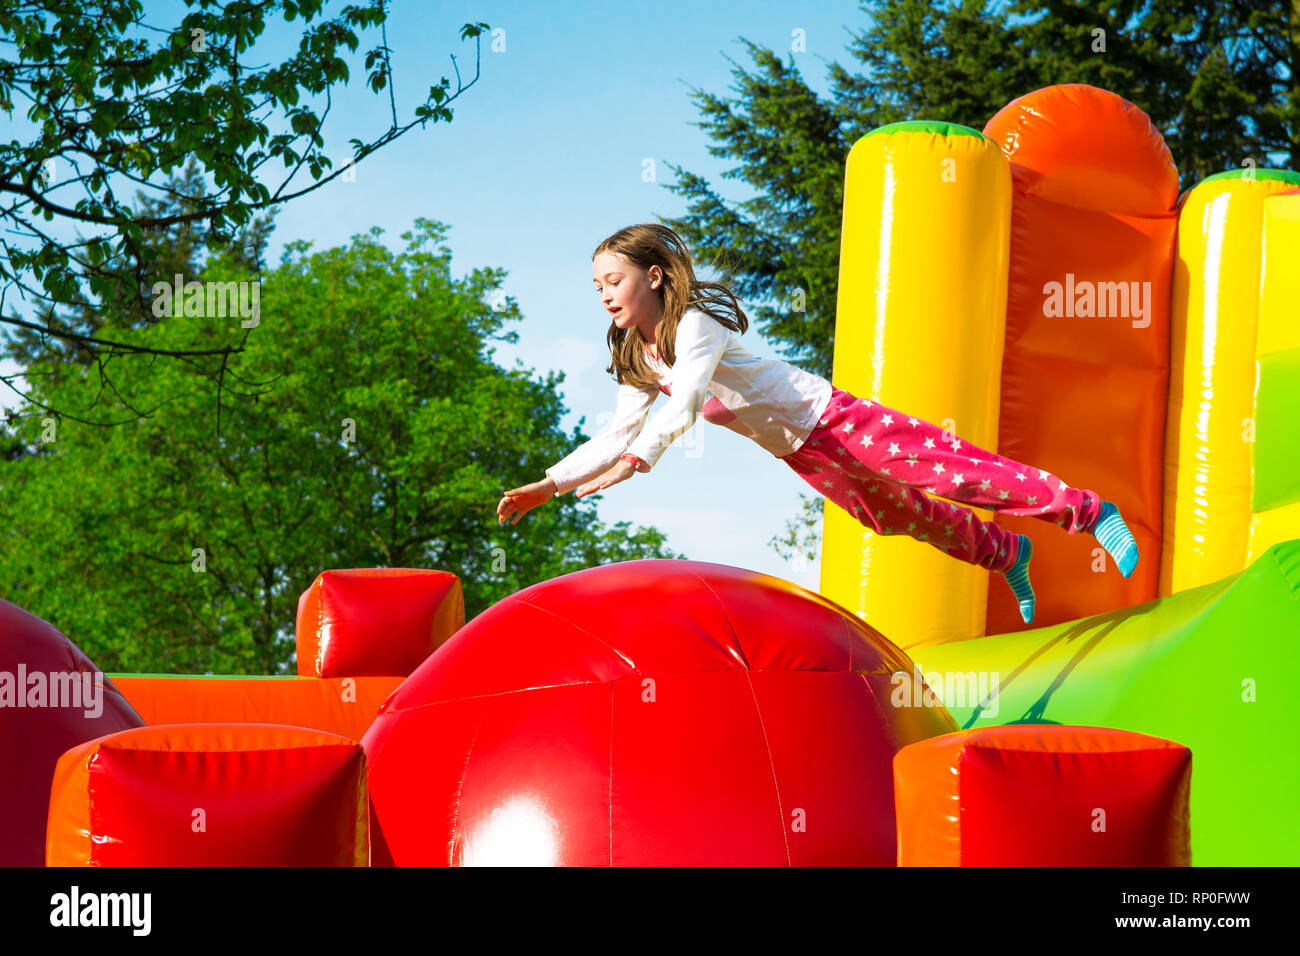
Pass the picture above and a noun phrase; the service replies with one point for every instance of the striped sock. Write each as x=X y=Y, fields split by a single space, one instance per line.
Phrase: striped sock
x=1115 y=537
x=1018 y=577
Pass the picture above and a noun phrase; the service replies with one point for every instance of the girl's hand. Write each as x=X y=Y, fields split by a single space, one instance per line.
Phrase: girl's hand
x=621 y=470
x=517 y=502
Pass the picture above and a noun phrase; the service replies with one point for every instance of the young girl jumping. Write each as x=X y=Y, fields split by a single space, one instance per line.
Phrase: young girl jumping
x=672 y=333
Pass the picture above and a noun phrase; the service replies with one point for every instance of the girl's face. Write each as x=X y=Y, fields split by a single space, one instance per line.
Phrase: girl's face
x=627 y=292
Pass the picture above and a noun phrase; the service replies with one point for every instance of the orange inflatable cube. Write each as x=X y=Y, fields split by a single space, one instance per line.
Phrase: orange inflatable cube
x=1043 y=795
x=210 y=795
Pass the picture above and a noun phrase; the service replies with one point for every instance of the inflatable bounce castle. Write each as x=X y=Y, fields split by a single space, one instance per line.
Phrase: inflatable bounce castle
x=1042 y=286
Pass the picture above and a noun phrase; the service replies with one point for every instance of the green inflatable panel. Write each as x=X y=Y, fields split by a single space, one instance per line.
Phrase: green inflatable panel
x=1216 y=668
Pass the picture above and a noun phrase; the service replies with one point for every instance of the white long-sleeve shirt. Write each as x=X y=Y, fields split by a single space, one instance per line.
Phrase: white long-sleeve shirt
x=777 y=404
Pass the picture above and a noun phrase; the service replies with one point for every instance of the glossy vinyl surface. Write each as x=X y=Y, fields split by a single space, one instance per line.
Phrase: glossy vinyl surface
x=379 y=622
x=210 y=795
x=1084 y=395
x=647 y=713
x=1043 y=795
x=1224 y=418
x=919 y=327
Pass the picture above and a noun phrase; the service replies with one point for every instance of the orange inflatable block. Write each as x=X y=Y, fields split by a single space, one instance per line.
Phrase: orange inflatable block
x=339 y=705
x=210 y=795
x=375 y=621
x=1043 y=795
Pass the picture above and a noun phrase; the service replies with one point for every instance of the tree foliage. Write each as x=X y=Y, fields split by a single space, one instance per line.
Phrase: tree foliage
x=366 y=425
x=117 y=102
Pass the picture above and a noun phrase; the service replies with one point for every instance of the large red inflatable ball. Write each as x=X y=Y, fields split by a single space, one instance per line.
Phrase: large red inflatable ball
x=644 y=713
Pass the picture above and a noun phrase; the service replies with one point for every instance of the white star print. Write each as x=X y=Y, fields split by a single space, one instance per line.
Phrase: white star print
x=929 y=443
x=866 y=441
x=848 y=428
x=913 y=421
x=957 y=479
x=1019 y=477
x=938 y=468
x=887 y=419
x=893 y=448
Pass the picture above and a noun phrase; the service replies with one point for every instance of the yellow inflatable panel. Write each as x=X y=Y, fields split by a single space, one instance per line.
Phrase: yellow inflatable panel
x=1279 y=291
x=1271 y=527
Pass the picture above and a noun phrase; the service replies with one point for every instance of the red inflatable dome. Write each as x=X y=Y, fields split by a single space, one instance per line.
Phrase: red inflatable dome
x=651 y=712
x=51 y=699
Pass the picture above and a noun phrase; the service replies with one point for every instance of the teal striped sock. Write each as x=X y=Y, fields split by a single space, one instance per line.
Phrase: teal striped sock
x=1115 y=537
x=1018 y=577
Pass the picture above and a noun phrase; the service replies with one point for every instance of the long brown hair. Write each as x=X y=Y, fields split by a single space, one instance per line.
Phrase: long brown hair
x=651 y=244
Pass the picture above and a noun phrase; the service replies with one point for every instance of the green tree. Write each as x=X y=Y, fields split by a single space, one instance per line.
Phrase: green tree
x=1217 y=77
x=179 y=247
x=118 y=102
x=365 y=424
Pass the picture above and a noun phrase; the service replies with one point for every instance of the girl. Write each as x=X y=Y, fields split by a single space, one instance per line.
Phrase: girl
x=671 y=333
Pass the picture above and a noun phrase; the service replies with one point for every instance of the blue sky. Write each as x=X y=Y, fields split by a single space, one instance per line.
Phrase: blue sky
x=544 y=158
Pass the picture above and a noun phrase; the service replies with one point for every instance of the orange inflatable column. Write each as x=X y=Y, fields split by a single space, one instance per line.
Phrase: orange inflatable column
x=210 y=795
x=1043 y=795
x=1085 y=370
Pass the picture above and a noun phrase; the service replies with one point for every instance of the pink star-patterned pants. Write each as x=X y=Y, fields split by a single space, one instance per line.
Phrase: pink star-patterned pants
x=878 y=464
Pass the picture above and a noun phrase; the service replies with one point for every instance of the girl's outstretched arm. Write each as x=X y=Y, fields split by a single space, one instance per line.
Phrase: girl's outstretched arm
x=595 y=457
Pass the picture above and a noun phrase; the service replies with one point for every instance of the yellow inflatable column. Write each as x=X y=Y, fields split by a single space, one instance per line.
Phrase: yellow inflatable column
x=920 y=325
x=1212 y=426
